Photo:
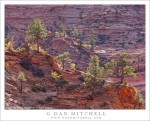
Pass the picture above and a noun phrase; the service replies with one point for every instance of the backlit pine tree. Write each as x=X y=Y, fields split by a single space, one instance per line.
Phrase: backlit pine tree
x=36 y=32
x=63 y=58
x=94 y=75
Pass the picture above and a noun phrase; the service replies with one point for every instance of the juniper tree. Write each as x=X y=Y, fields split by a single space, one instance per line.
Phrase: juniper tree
x=63 y=58
x=94 y=74
x=36 y=32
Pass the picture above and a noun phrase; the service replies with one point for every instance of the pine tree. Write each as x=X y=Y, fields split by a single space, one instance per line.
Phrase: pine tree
x=63 y=58
x=92 y=40
x=121 y=67
x=36 y=32
x=94 y=74
x=21 y=78
x=75 y=32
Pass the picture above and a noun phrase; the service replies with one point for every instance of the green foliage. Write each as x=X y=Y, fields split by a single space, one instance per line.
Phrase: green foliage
x=21 y=76
x=109 y=66
x=42 y=51
x=59 y=82
x=92 y=40
x=9 y=44
x=72 y=66
x=55 y=75
x=62 y=30
x=75 y=32
x=139 y=96
x=21 y=49
x=129 y=70
x=63 y=58
x=94 y=74
x=121 y=66
x=36 y=32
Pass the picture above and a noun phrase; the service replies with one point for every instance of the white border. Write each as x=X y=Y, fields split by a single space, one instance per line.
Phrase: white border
x=42 y=114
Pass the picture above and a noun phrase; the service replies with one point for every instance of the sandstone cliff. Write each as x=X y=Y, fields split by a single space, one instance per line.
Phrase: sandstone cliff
x=39 y=91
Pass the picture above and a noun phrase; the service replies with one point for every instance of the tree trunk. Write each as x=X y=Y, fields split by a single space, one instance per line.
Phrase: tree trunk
x=138 y=63
x=57 y=89
x=122 y=79
x=37 y=45
x=63 y=64
x=21 y=87
x=122 y=75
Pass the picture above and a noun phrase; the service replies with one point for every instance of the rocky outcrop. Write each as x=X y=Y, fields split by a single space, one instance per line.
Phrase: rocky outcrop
x=39 y=93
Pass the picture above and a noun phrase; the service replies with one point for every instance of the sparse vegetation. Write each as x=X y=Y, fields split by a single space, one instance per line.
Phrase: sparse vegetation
x=36 y=32
x=94 y=74
x=102 y=38
x=72 y=66
x=99 y=74
x=92 y=40
x=35 y=88
x=56 y=77
x=71 y=87
x=75 y=32
x=9 y=46
x=21 y=77
x=63 y=58
x=49 y=99
x=122 y=66
x=40 y=102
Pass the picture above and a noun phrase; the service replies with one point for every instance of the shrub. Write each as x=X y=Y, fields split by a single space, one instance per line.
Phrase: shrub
x=41 y=102
x=35 y=88
x=48 y=99
x=43 y=89
x=25 y=63
x=72 y=66
x=62 y=82
x=42 y=51
x=55 y=75
x=37 y=72
x=71 y=87
x=9 y=46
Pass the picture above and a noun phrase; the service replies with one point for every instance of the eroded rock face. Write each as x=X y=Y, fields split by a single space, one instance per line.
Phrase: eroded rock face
x=114 y=24
x=41 y=92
